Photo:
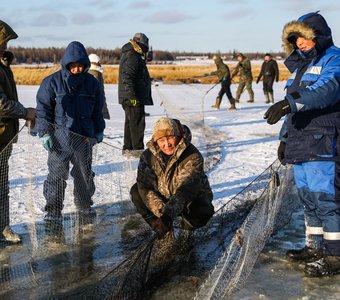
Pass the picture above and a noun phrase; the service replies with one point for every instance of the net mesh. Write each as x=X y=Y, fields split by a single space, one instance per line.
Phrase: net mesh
x=109 y=252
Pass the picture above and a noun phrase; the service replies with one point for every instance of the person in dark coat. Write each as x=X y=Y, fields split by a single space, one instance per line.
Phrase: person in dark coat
x=270 y=72
x=310 y=137
x=70 y=121
x=171 y=180
x=134 y=91
x=223 y=75
x=11 y=110
x=97 y=71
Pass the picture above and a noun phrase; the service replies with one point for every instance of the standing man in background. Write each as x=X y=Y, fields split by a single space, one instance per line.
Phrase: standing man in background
x=10 y=111
x=270 y=72
x=134 y=92
x=243 y=68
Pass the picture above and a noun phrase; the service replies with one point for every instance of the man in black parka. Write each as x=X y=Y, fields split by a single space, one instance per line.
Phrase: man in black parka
x=270 y=72
x=134 y=91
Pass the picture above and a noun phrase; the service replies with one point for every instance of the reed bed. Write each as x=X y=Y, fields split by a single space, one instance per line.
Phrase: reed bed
x=169 y=74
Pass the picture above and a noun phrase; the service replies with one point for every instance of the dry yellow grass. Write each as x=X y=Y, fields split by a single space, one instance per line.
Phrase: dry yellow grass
x=33 y=75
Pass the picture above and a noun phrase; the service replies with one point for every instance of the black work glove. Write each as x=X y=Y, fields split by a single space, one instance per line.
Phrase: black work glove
x=162 y=225
x=281 y=153
x=277 y=111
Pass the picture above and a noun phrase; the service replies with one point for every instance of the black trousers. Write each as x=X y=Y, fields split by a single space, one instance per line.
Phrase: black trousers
x=134 y=127
x=268 y=84
x=196 y=214
x=225 y=89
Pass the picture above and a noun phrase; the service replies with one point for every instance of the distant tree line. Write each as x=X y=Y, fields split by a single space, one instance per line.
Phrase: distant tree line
x=54 y=55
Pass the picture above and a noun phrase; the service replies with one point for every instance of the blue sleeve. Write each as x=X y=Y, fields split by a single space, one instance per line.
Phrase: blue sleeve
x=97 y=115
x=324 y=92
x=45 y=107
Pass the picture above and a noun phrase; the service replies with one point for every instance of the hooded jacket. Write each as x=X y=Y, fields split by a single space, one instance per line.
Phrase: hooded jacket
x=134 y=78
x=313 y=92
x=71 y=101
x=10 y=108
x=222 y=71
x=166 y=188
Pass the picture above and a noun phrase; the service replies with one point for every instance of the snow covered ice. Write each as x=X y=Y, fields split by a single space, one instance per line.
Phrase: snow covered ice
x=243 y=145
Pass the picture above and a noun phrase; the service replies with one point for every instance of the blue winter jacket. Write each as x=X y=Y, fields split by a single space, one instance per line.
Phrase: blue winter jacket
x=311 y=131
x=71 y=101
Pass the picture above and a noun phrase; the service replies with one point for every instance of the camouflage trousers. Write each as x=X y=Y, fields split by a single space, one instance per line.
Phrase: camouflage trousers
x=245 y=84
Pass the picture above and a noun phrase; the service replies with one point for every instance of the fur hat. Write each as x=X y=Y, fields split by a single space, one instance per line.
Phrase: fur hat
x=165 y=127
x=141 y=38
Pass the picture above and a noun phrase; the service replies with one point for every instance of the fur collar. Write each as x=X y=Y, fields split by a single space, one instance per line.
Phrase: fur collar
x=297 y=27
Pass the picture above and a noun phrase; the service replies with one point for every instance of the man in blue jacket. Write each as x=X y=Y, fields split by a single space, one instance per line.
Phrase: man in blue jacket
x=310 y=137
x=70 y=121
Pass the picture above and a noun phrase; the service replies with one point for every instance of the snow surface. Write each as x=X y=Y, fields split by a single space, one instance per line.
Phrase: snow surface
x=245 y=142
x=248 y=144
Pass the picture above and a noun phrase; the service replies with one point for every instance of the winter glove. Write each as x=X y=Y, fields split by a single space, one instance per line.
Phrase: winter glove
x=277 y=111
x=162 y=225
x=99 y=137
x=134 y=102
x=47 y=142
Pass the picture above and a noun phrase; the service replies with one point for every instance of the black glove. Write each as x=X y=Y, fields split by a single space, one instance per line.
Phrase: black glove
x=281 y=153
x=277 y=111
x=162 y=225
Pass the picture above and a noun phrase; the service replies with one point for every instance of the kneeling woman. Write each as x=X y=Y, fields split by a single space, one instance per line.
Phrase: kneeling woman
x=171 y=180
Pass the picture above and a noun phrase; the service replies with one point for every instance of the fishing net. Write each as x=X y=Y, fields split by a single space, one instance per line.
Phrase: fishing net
x=109 y=252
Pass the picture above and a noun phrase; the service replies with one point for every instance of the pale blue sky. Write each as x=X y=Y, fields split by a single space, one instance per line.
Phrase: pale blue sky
x=185 y=25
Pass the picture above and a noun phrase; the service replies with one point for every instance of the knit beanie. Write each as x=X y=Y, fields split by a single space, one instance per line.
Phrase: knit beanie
x=165 y=127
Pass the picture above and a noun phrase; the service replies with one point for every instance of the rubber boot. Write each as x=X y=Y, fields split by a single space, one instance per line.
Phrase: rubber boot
x=232 y=104
x=217 y=103
x=251 y=96
x=271 y=97
x=305 y=254
x=266 y=96
x=328 y=265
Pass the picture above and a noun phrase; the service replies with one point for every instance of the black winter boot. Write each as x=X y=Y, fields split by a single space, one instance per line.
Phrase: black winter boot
x=329 y=265
x=305 y=254
x=217 y=103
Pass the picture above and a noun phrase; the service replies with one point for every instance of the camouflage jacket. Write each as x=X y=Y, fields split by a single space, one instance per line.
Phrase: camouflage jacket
x=243 y=68
x=166 y=188
x=222 y=71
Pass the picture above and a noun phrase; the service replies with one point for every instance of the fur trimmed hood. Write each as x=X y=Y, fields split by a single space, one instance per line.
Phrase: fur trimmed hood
x=311 y=26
